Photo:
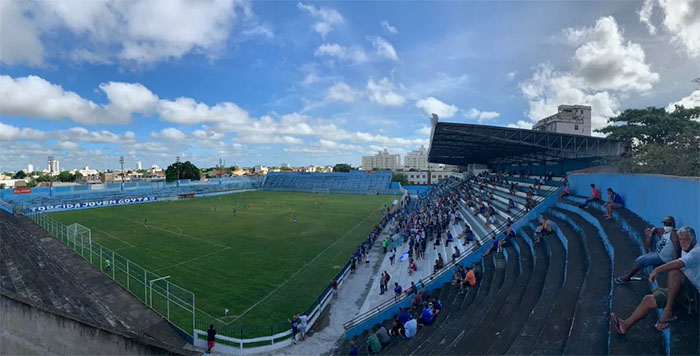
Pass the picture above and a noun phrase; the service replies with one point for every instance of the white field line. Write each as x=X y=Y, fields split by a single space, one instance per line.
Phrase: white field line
x=296 y=273
x=175 y=233
x=114 y=237
x=192 y=259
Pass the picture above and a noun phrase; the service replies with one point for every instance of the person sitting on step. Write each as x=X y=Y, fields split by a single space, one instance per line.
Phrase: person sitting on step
x=615 y=201
x=683 y=281
x=595 y=195
x=545 y=228
x=667 y=249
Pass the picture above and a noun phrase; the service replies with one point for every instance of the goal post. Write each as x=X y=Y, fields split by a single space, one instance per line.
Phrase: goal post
x=321 y=191
x=81 y=238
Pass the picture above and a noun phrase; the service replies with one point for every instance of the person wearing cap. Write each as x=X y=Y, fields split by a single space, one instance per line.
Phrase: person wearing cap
x=667 y=248
x=683 y=281
x=615 y=201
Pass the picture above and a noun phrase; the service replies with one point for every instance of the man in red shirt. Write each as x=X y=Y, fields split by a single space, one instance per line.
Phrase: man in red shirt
x=595 y=195
x=334 y=283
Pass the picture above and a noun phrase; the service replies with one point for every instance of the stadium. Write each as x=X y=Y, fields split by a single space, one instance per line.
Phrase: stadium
x=572 y=234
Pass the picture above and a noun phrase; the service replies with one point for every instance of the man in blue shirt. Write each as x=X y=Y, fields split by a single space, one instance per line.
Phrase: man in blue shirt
x=615 y=201
x=404 y=316
x=397 y=291
x=427 y=316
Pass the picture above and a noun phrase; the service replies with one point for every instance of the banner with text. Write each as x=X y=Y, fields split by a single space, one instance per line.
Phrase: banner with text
x=92 y=204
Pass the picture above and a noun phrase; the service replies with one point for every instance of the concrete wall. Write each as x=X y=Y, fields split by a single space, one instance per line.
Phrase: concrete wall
x=652 y=197
x=28 y=329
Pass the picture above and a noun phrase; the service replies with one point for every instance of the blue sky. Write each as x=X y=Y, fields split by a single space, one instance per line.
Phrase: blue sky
x=318 y=82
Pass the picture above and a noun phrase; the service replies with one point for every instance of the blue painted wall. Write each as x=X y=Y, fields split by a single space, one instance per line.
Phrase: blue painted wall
x=652 y=197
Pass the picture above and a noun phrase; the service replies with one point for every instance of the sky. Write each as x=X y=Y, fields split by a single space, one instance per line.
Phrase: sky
x=269 y=82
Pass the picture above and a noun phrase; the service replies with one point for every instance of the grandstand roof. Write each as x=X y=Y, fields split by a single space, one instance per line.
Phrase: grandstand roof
x=462 y=144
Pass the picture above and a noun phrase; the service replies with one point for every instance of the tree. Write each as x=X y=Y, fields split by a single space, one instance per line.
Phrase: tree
x=65 y=176
x=19 y=175
x=2 y=185
x=662 y=142
x=186 y=170
x=342 y=167
x=285 y=169
x=399 y=177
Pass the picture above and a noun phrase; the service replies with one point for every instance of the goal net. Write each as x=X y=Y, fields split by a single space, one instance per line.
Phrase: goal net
x=79 y=235
x=321 y=191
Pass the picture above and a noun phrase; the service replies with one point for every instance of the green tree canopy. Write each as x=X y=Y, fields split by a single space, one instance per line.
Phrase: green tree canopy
x=342 y=167
x=186 y=170
x=662 y=142
x=399 y=177
x=65 y=176
x=20 y=175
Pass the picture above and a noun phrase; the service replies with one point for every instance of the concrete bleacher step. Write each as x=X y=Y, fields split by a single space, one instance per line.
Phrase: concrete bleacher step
x=554 y=336
x=512 y=304
x=526 y=339
x=531 y=294
x=645 y=339
x=590 y=332
x=480 y=312
x=512 y=273
x=472 y=302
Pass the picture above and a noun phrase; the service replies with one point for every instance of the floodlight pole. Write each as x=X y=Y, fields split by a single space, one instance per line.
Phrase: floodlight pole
x=121 y=161
x=150 y=302
x=177 y=167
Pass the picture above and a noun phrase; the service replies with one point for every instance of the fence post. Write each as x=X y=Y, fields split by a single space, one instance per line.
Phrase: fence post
x=272 y=332
x=241 y=338
x=167 y=298
x=193 y=315
x=127 y=276
x=101 y=258
x=82 y=246
x=115 y=264
x=145 y=287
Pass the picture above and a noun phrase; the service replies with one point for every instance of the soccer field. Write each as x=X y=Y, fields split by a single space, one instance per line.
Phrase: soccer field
x=258 y=264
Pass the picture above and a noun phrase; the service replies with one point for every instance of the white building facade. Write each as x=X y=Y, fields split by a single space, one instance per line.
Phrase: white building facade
x=382 y=160
x=570 y=119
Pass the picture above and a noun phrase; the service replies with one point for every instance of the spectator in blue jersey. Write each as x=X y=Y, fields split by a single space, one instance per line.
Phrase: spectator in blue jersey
x=427 y=316
x=403 y=316
x=437 y=306
x=615 y=201
x=211 y=338
x=493 y=246
x=509 y=234
x=511 y=205
x=295 y=328
x=397 y=291
x=354 y=350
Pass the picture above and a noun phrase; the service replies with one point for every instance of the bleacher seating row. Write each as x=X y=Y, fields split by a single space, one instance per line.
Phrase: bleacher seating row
x=551 y=297
x=353 y=182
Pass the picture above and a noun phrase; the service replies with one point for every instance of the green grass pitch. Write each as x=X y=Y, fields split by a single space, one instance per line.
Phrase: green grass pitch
x=235 y=262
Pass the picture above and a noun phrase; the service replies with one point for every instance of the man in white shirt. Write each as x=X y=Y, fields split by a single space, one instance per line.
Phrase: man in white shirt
x=667 y=249
x=683 y=276
x=411 y=327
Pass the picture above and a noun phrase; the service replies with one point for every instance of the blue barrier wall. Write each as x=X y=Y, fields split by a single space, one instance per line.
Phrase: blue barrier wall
x=652 y=197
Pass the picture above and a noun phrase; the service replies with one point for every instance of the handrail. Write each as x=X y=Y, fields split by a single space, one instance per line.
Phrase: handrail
x=435 y=275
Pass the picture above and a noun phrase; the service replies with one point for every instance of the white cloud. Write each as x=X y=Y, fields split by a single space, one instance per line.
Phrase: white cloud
x=81 y=134
x=432 y=105
x=12 y=133
x=129 y=97
x=384 y=49
x=206 y=134
x=268 y=139
x=262 y=30
x=481 y=116
x=425 y=130
x=20 y=38
x=645 y=13
x=187 y=111
x=690 y=101
x=326 y=19
x=67 y=146
x=36 y=98
x=511 y=75
x=341 y=92
x=604 y=68
x=169 y=134
x=605 y=62
x=388 y=28
x=382 y=92
x=521 y=125
x=148 y=147
x=681 y=19
x=354 y=54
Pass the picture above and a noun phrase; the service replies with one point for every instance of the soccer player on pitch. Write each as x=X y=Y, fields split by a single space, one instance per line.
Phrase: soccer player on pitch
x=145 y=223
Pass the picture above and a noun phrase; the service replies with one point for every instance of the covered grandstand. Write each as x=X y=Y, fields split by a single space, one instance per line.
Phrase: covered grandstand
x=549 y=297
x=353 y=182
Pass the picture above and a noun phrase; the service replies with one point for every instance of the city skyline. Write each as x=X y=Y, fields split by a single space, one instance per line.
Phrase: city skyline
x=320 y=82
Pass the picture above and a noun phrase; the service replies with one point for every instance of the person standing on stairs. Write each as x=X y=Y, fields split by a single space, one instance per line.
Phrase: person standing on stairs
x=683 y=275
x=667 y=249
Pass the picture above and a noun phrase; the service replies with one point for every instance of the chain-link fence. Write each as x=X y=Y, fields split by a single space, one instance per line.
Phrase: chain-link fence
x=168 y=299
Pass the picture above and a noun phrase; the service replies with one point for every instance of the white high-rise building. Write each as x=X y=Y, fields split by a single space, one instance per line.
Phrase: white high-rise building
x=30 y=168
x=382 y=160
x=138 y=166
x=53 y=166
x=569 y=119
x=417 y=159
